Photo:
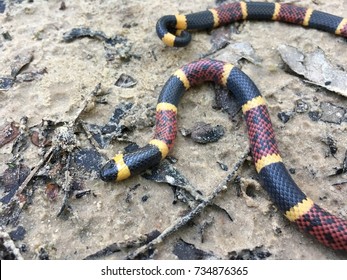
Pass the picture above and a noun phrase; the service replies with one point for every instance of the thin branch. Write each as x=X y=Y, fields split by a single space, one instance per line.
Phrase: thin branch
x=66 y=186
x=33 y=172
x=124 y=245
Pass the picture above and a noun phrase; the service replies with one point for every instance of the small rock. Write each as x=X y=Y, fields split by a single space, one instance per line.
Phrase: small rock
x=301 y=106
x=284 y=116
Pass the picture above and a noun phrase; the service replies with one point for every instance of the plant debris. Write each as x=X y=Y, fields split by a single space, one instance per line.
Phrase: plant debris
x=11 y=180
x=238 y=51
x=82 y=32
x=62 y=6
x=165 y=172
x=226 y=101
x=193 y=212
x=103 y=135
x=118 y=47
x=115 y=47
x=301 y=106
x=31 y=76
x=43 y=254
x=82 y=193
x=342 y=169
x=9 y=213
x=88 y=160
x=258 y=253
x=325 y=112
x=186 y=251
x=316 y=68
x=332 y=113
x=285 y=116
x=6 y=35
x=52 y=190
x=223 y=166
x=124 y=245
x=221 y=209
x=18 y=233
x=125 y=81
x=20 y=62
x=203 y=227
x=6 y=83
x=332 y=145
x=9 y=133
x=220 y=38
x=204 y=133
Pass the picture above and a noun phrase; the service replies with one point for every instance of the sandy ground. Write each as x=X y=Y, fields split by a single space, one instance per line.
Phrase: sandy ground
x=75 y=68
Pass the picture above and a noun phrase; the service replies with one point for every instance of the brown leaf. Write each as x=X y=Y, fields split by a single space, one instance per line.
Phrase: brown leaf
x=52 y=190
x=9 y=133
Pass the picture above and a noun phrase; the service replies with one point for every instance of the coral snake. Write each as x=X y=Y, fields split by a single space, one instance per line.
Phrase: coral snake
x=297 y=207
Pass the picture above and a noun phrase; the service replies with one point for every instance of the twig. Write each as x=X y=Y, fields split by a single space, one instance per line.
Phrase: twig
x=185 y=219
x=89 y=98
x=66 y=187
x=91 y=139
x=25 y=183
x=339 y=183
x=125 y=245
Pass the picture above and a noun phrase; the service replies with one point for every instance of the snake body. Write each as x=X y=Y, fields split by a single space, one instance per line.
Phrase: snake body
x=296 y=206
x=171 y=29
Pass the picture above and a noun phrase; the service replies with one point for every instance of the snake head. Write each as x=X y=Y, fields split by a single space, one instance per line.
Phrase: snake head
x=109 y=171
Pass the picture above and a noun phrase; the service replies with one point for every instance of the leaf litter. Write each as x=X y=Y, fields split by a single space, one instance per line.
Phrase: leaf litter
x=315 y=68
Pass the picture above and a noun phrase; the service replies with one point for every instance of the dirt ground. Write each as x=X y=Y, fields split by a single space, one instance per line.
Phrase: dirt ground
x=118 y=212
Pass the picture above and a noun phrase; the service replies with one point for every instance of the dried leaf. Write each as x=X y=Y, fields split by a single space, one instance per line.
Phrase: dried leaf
x=103 y=135
x=9 y=133
x=204 y=133
x=225 y=101
x=20 y=61
x=332 y=113
x=18 y=233
x=52 y=190
x=11 y=179
x=76 y=33
x=186 y=251
x=88 y=160
x=125 y=81
x=233 y=53
x=316 y=68
x=165 y=172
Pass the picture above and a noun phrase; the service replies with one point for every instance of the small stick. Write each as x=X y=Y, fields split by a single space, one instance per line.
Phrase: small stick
x=123 y=245
x=25 y=183
x=66 y=187
x=339 y=183
x=91 y=139
x=89 y=98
